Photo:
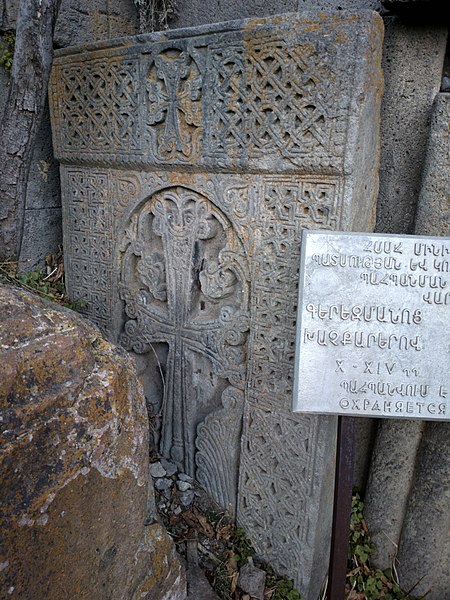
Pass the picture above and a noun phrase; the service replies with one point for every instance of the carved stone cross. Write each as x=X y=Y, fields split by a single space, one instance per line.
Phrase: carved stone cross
x=173 y=89
x=174 y=300
x=183 y=225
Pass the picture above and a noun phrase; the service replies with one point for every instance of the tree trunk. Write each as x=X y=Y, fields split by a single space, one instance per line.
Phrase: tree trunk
x=26 y=98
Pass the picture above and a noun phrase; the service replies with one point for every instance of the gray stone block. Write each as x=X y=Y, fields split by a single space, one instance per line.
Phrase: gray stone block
x=198 y=585
x=252 y=580
x=413 y=59
x=424 y=550
x=193 y=161
x=433 y=213
x=406 y=493
x=198 y=12
x=42 y=235
x=83 y=21
x=86 y=21
x=390 y=478
x=424 y=544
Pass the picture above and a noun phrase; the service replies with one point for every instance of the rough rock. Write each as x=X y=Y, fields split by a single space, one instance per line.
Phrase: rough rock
x=424 y=551
x=42 y=227
x=198 y=585
x=74 y=464
x=78 y=22
x=252 y=580
x=198 y=12
x=83 y=21
x=433 y=214
x=390 y=479
x=413 y=60
x=157 y=470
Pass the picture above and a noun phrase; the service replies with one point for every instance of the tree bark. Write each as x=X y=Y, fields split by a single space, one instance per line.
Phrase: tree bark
x=26 y=98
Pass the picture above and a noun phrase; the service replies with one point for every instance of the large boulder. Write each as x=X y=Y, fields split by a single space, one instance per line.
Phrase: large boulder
x=74 y=464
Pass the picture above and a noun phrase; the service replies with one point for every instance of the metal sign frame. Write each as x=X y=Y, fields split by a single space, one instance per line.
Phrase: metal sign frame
x=373 y=340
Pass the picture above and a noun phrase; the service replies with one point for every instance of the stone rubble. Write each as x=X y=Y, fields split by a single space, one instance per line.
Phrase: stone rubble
x=175 y=489
x=175 y=493
x=252 y=580
x=203 y=533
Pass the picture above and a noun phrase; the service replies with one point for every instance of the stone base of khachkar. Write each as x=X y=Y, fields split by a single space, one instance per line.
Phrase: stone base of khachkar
x=192 y=160
x=74 y=464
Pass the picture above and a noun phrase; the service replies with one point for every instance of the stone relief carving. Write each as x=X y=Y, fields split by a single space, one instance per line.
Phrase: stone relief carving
x=88 y=221
x=286 y=206
x=246 y=101
x=184 y=282
x=218 y=147
x=218 y=449
x=98 y=110
x=174 y=91
x=185 y=285
x=269 y=97
x=265 y=479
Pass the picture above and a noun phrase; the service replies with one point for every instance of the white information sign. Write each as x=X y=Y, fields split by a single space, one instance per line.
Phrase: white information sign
x=373 y=326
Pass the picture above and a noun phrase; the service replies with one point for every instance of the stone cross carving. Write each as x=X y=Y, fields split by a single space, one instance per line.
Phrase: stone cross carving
x=167 y=295
x=191 y=163
x=174 y=90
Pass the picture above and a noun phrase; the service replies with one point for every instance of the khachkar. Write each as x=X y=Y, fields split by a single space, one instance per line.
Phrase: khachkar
x=191 y=162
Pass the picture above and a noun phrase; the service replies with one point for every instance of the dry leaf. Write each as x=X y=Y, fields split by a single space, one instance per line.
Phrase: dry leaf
x=354 y=595
x=54 y=266
x=233 y=581
x=190 y=518
x=225 y=532
x=231 y=564
x=198 y=521
x=205 y=526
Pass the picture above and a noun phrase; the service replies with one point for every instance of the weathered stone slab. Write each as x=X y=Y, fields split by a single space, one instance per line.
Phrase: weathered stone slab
x=407 y=504
x=413 y=59
x=424 y=544
x=389 y=483
x=373 y=334
x=217 y=97
x=433 y=211
x=192 y=161
x=423 y=558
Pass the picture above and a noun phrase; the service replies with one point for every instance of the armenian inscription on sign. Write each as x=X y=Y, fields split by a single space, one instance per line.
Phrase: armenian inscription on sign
x=373 y=328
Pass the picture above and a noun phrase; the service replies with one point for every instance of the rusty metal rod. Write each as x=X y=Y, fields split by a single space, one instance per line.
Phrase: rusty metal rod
x=343 y=485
